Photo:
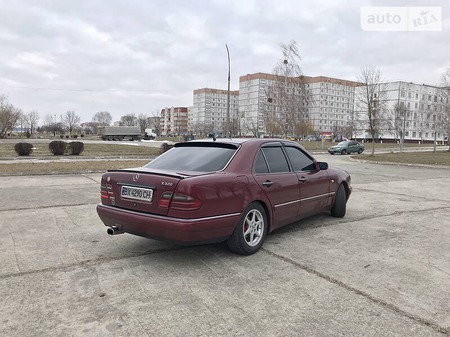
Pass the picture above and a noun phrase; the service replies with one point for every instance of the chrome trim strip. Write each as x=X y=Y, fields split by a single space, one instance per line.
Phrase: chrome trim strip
x=326 y=195
x=169 y=218
x=287 y=203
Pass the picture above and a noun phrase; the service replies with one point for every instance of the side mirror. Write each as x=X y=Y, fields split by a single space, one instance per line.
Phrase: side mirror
x=323 y=166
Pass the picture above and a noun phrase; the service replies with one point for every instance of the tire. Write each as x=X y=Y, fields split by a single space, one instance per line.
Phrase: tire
x=332 y=153
x=344 y=151
x=340 y=203
x=360 y=151
x=251 y=231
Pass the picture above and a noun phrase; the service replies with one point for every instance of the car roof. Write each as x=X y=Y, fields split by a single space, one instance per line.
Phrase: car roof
x=241 y=140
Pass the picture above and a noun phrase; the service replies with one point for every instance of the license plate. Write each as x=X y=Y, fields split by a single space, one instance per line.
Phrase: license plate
x=137 y=193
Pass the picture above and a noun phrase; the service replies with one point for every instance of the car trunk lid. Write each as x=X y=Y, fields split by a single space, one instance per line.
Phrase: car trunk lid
x=140 y=189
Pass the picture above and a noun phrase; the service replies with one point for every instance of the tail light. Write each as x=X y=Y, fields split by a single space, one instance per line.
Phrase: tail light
x=180 y=202
x=106 y=191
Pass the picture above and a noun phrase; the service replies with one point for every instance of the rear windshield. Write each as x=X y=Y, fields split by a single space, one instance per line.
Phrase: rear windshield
x=194 y=158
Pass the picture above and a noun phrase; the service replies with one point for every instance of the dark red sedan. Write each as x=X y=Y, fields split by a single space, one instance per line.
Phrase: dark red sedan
x=233 y=190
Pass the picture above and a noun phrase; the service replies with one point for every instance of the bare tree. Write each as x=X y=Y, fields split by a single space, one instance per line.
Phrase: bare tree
x=400 y=116
x=31 y=119
x=103 y=118
x=9 y=116
x=70 y=120
x=288 y=98
x=128 y=120
x=272 y=122
x=142 y=121
x=154 y=122
x=444 y=116
x=371 y=102
x=252 y=126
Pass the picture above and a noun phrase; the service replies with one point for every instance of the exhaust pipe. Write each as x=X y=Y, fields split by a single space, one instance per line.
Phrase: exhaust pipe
x=113 y=230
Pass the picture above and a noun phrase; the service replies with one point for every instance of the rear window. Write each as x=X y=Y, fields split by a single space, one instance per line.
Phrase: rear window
x=194 y=158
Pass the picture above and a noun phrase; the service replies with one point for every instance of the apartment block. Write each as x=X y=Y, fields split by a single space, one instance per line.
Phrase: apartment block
x=422 y=112
x=174 y=120
x=329 y=102
x=209 y=111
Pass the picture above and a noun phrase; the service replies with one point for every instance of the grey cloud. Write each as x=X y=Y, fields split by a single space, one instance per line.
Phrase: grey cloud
x=141 y=56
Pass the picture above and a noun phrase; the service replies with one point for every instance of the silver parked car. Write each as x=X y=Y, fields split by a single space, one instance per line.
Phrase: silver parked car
x=347 y=146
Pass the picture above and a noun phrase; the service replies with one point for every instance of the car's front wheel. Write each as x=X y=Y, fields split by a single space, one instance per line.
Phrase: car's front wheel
x=360 y=151
x=340 y=203
x=250 y=233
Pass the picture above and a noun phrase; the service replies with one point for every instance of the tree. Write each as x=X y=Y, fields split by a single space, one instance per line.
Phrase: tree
x=128 y=120
x=31 y=119
x=103 y=118
x=9 y=116
x=288 y=98
x=70 y=120
x=154 y=122
x=371 y=101
x=444 y=116
x=142 y=121
x=400 y=114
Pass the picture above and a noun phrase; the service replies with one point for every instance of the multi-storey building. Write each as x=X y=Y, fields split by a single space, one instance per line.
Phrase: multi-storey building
x=418 y=111
x=174 y=120
x=209 y=111
x=329 y=107
x=328 y=102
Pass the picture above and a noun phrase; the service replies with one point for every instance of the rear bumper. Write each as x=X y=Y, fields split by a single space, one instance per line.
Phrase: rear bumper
x=181 y=231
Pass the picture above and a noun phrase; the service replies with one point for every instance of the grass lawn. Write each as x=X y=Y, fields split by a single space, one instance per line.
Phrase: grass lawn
x=41 y=150
x=113 y=156
x=441 y=158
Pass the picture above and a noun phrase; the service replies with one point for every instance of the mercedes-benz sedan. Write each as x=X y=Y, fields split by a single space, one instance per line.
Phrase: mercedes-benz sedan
x=233 y=190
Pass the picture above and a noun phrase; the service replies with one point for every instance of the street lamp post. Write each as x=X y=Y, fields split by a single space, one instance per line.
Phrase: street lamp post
x=227 y=126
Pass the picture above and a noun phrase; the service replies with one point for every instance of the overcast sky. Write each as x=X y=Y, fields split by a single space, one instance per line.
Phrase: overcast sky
x=141 y=56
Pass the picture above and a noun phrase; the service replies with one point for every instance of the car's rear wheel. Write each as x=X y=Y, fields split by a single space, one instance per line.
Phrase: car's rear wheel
x=340 y=203
x=250 y=233
x=344 y=151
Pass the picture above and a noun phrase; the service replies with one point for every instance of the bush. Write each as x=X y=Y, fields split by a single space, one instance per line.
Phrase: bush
x=23 y=149
x=67 y=136
x=75 y=148
x=82 y=135
x=75 y=136
x=61 y=136
x=165 y=147
x=57 y=147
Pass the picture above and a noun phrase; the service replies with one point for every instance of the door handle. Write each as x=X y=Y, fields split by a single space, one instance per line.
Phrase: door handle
x=302 y=180
x=267 y=183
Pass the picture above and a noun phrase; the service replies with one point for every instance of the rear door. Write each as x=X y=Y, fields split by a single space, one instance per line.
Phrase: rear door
x=278 y=182
x=353 y=147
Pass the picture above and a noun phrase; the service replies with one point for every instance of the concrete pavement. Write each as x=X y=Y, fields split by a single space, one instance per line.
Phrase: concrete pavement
x=383 y=270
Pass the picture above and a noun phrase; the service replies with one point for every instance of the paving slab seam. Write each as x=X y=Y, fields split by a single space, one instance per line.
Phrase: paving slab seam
x=421 y=197
x=84 y=175
x=43 y=207
x=387 y=305
x=92 y=262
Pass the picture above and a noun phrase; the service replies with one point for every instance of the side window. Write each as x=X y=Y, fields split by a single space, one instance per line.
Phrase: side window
x=261 y=165
x=299 y=160
x=275 y=159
